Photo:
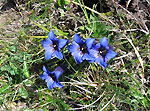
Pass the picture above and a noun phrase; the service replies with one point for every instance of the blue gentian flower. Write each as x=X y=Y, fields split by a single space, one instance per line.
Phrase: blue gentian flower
x=53 y=46
x=80 y=49
x=51 y=78
x=102 y=52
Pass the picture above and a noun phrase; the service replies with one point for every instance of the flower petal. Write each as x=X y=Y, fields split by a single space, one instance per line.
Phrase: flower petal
x=97 y=46
x=77 y=39
x=61 y=43
x=86 y=56
x=48 y=54
x=45 y=70
x=104 y=42
x=59 y=69
x=89 y=42
x=51 y=35
x=57 y=74
x=110 y=54
x=73 y=47
x=93 y=53
x=47 y=44
x=90 y=61
x=44 y=76
x=101 y=62
x=57 y=54
x=50 y=83
x=77 y=56
x=57 y=84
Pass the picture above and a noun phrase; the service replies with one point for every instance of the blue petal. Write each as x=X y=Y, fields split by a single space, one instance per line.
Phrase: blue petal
x=61 y=43
x=51 y=35
x=45 y=70
x=77 y=39
x=101 y=62
x=47 y=44
x=104 y=42
x=57 y=84
x=86 y=56
x=73 y=47
x=57 y=74
x=97 y=46
x=93 y=53
x=44 y=76
x=77 y=56
x=50 y=83
x=49 y=49
x=59 y=69
x=48 y=54
x=110 y=54
x=57 y=54
x=90 y=61
x=89 y=42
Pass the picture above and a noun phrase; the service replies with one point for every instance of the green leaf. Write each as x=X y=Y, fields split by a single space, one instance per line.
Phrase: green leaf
x=61 y=105
x=144 y=102
x=13 y=48
x=82 y=27
x=4 y=88
x=13 y=67
x=25 y=68
x=23 y=93
x=59 y=2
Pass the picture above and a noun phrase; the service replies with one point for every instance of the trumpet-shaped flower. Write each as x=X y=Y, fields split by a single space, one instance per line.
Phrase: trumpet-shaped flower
x=80 y=49
x=51 y=78
x=53 y=46
x=102 y=52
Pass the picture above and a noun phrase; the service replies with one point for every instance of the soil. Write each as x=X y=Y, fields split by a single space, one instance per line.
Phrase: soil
x=10 y=22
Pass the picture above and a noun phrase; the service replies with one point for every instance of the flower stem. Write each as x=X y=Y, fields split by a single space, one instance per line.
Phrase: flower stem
x=69 y=64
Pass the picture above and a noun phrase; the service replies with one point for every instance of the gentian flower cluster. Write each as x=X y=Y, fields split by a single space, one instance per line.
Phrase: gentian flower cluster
x=53 y=46
x=51 y=78
x=102 y=52
x=81 y=50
